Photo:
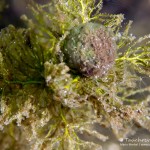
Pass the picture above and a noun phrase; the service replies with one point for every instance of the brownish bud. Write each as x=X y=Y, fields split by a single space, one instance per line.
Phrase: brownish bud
x=90 y=49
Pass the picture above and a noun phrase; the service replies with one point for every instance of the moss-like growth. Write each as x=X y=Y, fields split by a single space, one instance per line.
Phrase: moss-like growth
x=22 y=58
x=44 y=104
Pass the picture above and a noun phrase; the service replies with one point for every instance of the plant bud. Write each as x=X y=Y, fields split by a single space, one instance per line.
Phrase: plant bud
x=90 y=49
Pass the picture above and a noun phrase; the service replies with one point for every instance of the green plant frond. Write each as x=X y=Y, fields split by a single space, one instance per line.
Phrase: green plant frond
x=20 y=51
x=127 y=28
x=131 y=93
x=68 y=13
x=109 y=20
x=43 y=31
x=125 y=38
x=138 y=56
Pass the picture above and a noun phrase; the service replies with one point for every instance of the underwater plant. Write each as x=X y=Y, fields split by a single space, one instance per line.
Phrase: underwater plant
x=72 y=67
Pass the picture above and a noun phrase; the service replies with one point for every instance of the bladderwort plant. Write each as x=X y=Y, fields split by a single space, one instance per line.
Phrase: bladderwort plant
x=72 y=67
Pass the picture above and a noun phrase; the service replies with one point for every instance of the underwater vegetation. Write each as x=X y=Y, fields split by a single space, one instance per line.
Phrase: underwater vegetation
x=70 y=68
